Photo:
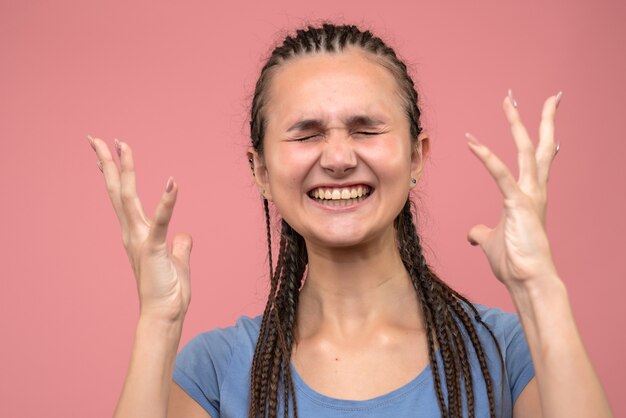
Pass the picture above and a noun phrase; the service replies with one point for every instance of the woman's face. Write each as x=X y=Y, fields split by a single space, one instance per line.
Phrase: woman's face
x=338 y=158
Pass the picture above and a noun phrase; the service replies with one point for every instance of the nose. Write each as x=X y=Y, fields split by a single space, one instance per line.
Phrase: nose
x=338 y=155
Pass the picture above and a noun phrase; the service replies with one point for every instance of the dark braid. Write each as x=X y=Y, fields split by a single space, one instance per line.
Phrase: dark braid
x=287 y=301
x=465 y=368
x=268 y=227
x=446 y=312
x=255 y=384
x=278 y=325
x=455 y=307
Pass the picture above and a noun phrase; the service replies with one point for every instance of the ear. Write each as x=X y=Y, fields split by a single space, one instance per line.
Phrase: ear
x=419 y=153
x=259 y=171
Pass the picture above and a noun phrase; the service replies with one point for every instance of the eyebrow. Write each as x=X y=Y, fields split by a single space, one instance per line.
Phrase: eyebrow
x=352 y=121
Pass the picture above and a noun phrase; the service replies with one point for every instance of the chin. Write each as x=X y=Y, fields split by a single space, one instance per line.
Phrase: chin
x=339 y=239
x=341 y=243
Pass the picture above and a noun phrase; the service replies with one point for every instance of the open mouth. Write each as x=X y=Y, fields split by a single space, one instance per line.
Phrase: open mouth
x=342 y=196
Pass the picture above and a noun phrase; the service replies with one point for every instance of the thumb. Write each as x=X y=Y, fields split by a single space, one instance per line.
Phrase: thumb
x=181 y=247
x=478 y=234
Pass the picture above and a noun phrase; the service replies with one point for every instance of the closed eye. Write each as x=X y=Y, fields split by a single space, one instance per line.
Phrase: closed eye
x=367 y=133
x=307 y=137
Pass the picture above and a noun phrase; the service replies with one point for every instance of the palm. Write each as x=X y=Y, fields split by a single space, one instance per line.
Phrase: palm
x=517 y=248
x=168 y=287
x=162 y=276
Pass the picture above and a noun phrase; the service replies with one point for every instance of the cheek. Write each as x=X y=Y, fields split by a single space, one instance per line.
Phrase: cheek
x=389 y=157
x=288 y=167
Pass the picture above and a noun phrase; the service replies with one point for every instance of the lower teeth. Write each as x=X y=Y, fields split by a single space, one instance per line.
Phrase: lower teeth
x=340 y=202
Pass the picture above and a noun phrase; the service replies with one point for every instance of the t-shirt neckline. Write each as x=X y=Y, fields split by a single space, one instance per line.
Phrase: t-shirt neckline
x=360 y=405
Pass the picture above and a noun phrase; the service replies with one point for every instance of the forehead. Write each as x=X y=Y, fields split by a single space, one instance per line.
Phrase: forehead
x=333 y=88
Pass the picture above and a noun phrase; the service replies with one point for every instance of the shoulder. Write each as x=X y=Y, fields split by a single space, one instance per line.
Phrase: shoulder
x=221 y=342
x=245 y=327
x=207 y=362
x=500 y=322
x=507 y=330
x=505 y=326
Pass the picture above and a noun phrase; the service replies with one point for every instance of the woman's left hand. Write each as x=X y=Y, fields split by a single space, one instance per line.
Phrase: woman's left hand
x=517 y=248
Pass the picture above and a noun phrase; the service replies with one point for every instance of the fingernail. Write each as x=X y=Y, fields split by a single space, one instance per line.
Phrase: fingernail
x=118 y=147
x=99 y=163
x=471 y=138
x=513 y=102
x=90 y=139
x=169 y=185
x=558 y=98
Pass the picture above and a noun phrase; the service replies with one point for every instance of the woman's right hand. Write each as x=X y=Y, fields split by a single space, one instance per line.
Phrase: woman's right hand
x=163 y=277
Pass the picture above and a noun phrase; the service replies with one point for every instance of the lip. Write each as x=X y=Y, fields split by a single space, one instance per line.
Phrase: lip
x=341 y=208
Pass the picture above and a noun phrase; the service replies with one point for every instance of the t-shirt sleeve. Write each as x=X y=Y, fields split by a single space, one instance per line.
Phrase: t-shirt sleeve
x=518 y=363
x=201 y=366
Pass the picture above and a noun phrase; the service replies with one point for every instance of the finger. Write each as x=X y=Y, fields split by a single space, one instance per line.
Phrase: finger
x=93 y=145
x=181 y=247
x=525 y=149
x=111 y=177
x=163 y=214
x=128 y=186
x=546 y=149
x=90 y=139
x=478 y=234
x=498 y=170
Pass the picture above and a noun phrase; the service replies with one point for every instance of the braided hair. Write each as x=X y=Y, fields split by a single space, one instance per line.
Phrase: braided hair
x=447 y=313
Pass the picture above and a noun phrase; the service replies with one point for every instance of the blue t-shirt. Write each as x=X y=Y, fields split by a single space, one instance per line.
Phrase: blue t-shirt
x=214 y=369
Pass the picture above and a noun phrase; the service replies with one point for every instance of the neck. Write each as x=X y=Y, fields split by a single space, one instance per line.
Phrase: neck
x=348 y=290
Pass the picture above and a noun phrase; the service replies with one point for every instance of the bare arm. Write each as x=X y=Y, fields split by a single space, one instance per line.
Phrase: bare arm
x=519 y=254
x=149 y=389
x=163 y=284
x=528 y=403
x=567 y=383
x=147 y=386
x=183 y=406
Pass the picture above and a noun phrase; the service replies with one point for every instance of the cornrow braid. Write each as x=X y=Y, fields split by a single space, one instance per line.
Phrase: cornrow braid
x=446 y=312
x=263 y=339
x=287 y=300
x=271 y=362
x=453 y=307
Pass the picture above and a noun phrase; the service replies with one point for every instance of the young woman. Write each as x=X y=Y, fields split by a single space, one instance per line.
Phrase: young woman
x=356 y=323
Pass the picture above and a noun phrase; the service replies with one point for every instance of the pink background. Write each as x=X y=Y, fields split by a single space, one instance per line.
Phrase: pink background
x=175 y=82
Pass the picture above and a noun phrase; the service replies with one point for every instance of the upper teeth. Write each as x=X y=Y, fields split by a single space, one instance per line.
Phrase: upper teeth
x=339 y=193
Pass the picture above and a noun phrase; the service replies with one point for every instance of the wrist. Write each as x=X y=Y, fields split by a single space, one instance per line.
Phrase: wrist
x=162 y=326
x=540 y=296
x=161 y=314
x=538 y=287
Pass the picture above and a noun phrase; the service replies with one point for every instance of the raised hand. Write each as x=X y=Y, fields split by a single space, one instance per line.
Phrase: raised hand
x=517 y=248
x=162 y=276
